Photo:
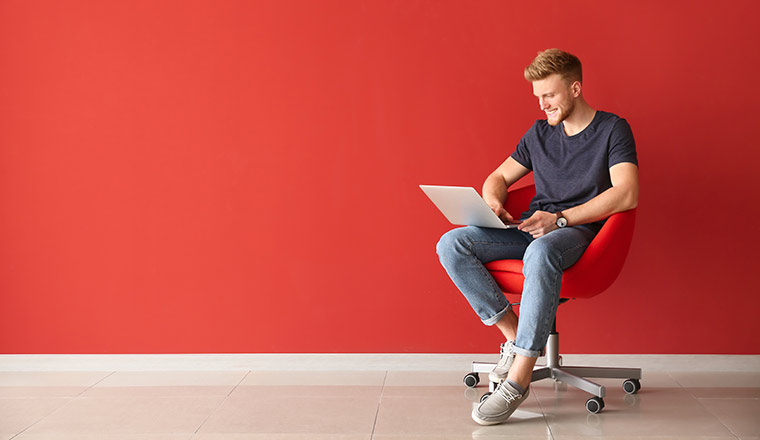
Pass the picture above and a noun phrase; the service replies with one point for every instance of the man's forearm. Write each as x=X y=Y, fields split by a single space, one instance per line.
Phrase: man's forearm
x=611 y=201
x=495 y=189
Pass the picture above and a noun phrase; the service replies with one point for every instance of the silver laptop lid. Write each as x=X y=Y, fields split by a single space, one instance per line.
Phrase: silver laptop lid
x=463 y=206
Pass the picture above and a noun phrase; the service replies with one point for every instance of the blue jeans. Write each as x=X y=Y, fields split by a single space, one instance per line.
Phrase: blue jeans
x=464 y=251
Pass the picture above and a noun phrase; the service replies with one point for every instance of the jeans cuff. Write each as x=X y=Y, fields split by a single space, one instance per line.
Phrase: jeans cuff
x=495 y=318
x=526 y=353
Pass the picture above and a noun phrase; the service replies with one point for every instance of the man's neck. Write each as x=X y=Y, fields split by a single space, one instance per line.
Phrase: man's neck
x=581 y=117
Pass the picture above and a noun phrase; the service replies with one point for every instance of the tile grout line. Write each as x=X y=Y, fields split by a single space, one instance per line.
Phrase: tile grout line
x=96 y=383
x=379 y=402
x=68 y=400
x=688 y=391
x=716 y=417
x=543 y=413
x=221 y=403
x=239 y=382
x=701 y=404
x=699 y=401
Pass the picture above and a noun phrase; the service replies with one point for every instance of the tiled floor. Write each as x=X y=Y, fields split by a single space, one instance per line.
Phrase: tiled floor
x=361 y=405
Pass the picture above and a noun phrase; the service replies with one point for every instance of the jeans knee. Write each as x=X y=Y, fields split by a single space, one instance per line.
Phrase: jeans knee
x=445 y=244
x=540 y=254
x=452 y=243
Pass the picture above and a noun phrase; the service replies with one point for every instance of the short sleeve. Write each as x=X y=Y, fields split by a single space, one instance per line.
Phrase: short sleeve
x=622 y=147
x=522 y=153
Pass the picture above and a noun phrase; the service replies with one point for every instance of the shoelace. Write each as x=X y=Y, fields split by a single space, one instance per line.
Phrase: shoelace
x=505 y=355
x=509 y=396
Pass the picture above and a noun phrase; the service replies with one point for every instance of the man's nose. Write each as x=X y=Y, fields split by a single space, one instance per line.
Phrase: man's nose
x=542 y=103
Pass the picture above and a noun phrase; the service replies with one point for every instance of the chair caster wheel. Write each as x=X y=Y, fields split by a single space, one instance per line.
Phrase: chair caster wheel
x=595 y=405
x=631 y=386
x=472 y=380
x=485 y=396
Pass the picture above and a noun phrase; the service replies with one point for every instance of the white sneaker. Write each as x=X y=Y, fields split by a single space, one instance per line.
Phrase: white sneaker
x=499 y=373
x=499 y=406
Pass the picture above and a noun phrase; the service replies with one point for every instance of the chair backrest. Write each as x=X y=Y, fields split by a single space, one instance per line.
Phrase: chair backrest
x=518 y=200
x=596 y=270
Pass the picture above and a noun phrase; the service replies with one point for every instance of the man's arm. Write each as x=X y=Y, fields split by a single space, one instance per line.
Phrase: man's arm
x=622 y=196
x=497 y=184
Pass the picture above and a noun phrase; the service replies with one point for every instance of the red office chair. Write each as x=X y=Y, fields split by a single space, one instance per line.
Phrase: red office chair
x=594 y=272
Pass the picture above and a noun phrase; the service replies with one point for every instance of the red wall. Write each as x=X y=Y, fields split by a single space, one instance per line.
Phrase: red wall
x=237 y=176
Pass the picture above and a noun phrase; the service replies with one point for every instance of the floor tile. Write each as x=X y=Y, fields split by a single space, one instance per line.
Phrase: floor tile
x=17 y=414
x=711 y=379
x=128 y=415
x=42 y=391
x=151 y=436
x=427 y=378
x=51 y=378
x=638 y=437
x=47 y=383
x=649 y=379
x=156 y=391
x=450 y=392
x=473 y=436
x=327 y=378
x=739 y=415
x=652 y=412
x=274 y=436
x=255 y=412
x=346 y=392
x=167 y=384
x=725 y=393
x=172 y=378
x=445 y=411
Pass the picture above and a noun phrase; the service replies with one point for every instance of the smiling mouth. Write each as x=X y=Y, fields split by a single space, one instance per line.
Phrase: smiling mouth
x=551 y=113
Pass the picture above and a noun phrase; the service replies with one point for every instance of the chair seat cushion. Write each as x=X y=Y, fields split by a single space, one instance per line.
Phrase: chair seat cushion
x=575 y=284
x=508 y=275
x=514 y=266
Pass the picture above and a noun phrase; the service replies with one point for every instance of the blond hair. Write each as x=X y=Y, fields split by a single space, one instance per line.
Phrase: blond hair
x=553 y=61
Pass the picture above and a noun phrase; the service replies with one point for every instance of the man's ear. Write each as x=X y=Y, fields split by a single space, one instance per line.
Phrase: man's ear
x=577 y=88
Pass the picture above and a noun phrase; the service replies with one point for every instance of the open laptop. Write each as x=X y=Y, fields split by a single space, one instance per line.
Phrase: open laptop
x=463 y=206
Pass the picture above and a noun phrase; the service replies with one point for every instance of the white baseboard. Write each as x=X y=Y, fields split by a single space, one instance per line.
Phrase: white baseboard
x=353 y=362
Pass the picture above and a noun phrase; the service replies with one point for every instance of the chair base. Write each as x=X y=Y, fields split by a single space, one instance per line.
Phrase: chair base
x=572 y=375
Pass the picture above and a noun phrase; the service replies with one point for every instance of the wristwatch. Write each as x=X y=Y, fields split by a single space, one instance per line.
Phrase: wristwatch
x=561 y=220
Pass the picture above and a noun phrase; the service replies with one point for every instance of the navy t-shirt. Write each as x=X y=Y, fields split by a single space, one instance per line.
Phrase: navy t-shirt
x=571 y=170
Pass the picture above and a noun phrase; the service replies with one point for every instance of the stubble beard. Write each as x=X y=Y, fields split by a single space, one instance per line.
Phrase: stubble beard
x=562 y=114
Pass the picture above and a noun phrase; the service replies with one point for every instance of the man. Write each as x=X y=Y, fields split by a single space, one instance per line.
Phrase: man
x=585 y=168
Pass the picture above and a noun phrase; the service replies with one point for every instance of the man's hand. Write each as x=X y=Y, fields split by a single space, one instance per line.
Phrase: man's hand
x=540 y=223
x=499 y=210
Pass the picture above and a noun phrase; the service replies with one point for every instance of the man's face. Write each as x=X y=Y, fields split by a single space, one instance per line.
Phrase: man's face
x=555 y=97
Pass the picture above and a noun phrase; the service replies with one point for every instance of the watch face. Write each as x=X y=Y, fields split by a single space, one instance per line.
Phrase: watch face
x=562 y=222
